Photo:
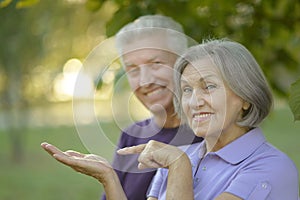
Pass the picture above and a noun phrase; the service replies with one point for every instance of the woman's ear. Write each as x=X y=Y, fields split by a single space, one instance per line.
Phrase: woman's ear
x=246 y=105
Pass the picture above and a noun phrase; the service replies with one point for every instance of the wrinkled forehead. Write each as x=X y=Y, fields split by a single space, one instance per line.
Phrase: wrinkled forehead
x=200 y=71
x=148 y=54
x=201 y=67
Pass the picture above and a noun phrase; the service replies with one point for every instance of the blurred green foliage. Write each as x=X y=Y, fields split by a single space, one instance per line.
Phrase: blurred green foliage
x=294 y=99
x=36 y=41
x=19 y=3
x=269 y=29
x=37 y=38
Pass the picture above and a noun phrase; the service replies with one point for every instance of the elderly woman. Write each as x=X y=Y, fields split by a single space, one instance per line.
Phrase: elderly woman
x=224 y=96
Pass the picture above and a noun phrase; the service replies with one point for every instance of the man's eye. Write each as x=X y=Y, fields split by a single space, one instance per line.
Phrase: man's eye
x=156 y=64
x=133 y=70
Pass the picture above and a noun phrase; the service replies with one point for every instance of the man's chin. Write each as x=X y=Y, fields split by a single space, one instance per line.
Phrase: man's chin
x=157 y=109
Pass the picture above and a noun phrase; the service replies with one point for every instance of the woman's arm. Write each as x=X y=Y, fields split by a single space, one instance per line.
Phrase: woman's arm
x=91 y=165
x=180 y=179
x=227 y=196
x=151 y=198
x=159 y=155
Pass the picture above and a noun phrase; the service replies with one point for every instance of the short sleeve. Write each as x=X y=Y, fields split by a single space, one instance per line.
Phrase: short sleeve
x=261 y=191
x=249 y=191
x=273 y=178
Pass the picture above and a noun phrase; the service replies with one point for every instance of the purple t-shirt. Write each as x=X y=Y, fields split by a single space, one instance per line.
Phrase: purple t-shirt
x=135 y=182
x=248 y=167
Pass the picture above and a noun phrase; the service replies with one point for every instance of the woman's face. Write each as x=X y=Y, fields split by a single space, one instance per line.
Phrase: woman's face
x=211 y=107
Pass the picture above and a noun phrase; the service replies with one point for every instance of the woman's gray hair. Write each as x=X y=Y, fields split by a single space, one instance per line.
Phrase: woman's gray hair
x=146 y=26
x=239 y=70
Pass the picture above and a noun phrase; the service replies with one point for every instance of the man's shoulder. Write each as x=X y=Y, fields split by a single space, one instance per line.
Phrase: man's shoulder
x=138 y=124
x=133 y=132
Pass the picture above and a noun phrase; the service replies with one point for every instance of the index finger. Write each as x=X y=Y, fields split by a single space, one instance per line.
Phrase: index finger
x=51 y=149
x=132 y=150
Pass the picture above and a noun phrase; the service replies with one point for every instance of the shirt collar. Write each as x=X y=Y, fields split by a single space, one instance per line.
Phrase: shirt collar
x=242 y=147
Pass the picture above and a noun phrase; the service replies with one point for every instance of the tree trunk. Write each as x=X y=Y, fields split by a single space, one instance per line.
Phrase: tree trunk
x=16 y=119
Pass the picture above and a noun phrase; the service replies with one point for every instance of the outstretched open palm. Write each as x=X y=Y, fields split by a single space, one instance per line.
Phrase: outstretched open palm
x=89 y=164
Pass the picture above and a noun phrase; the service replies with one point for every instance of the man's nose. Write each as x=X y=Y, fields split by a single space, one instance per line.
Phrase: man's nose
x=146 y=75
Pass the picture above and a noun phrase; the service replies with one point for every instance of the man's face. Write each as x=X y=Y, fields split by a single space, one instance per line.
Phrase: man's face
x=149 y=68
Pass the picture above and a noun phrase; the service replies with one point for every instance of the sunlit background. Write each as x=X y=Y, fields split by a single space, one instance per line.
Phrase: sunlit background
x=61 y=80
x=56 y=60
x=67 y=44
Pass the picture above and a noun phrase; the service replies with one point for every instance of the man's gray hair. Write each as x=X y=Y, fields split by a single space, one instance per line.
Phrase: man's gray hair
x=149 y=25
x=239 y=70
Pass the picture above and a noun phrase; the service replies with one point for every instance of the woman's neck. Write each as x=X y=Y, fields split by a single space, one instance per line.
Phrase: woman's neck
x=216 y=143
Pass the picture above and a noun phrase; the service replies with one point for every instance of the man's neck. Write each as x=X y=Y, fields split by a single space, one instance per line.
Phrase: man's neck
x=167 y=121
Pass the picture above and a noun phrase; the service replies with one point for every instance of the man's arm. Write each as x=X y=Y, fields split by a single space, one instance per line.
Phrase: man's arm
x=91 y=165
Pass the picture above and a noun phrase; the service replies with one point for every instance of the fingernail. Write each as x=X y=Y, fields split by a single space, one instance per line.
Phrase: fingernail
x=122 y=150
x=44 y=143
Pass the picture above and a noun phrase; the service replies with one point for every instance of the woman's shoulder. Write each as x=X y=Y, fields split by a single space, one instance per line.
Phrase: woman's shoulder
x=272 y=156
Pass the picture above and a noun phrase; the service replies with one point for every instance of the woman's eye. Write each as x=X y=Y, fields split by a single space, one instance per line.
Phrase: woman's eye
x=210 y=86
x=187 y=90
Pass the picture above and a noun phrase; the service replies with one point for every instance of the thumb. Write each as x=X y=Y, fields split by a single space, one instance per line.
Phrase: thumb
x=132 y=150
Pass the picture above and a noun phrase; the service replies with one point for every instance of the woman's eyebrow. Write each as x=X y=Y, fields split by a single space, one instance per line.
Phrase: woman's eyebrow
x=183 y=81
x=201 y=79
x=204 y=78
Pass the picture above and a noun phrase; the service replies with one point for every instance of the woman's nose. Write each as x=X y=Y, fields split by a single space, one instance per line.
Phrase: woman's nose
x=197 y=99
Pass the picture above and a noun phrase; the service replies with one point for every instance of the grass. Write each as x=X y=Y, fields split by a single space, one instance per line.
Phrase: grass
x=281 y=130
x=39 y=176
